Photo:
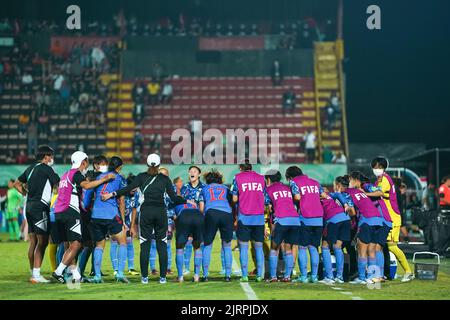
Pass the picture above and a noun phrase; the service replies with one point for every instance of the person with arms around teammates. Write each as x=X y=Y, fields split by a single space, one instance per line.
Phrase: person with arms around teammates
x=36 y=183
x=248 y=190
x=67 y=211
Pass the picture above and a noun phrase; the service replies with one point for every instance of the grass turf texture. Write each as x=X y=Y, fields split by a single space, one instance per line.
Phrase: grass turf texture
x=14 y=275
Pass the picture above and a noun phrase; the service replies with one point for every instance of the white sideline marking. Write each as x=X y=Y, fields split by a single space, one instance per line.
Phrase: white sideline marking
x=336 y=288
x=347 y=293
x=357 y=298
x=251 y=295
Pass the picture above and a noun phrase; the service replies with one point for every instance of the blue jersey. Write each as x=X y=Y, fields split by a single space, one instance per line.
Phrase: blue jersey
x=189 y=192
x=131 y=202
x=215 y=196
x=169 y=205
x=110 y=208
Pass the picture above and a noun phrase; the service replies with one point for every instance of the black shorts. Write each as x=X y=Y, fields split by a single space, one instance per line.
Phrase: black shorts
x=85 y=226
x=368 y=234
x=152 y=224
x=310 y=235
x=38 y=218
x=382 y=235
x=337 y=231
x=102 y=227
x=54 y=233
x=218 y=220
x=286 y=234
x=68 y=224
x=189 y=223
x=246 y=233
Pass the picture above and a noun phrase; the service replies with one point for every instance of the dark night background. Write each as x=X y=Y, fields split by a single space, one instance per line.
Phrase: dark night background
x=398 y=78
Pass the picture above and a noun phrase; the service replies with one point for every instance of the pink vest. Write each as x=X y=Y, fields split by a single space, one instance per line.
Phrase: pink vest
x=282 y=200
x=392 y=193
x=331 y=208
x=363 y=203
x=251 y=192
x=379 y=203
x=67 y=193
x=310 y=204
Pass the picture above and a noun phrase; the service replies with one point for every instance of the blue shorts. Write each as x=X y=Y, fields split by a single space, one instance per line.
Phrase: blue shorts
x=382 y=235
x=190 y=222
x=310 y=235
x=218 y=220
x=286 y=234
x=337 y=231
x=246 y=233
x=102 y=227
x=368 y=234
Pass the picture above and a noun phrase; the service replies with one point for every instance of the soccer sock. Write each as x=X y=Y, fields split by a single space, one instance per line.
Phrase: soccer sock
x=60 y=253
x=98 y=255
x=387 y=262
x=59 y=271
x=16 y=227
x=187 y=254
x=327 y=265
x=52 y=255
x=243 y=257
x=122 y=259
x=75 y=274
x=206 y=259
x=302 y=261
x=169 y=254
x=398 y=253
x=362 y=265
x=180 y=261
x=259 y=252
x=339 y=262
x=314 y=256
x=83 y=258
x=372 y=268
x=273 y=262
x=197 y=261
x=289 y=264
x=380 y=262
x=11 y=230
x=222 y=258
x=143 y=258
x=36 y=272
x=152 y=258
x=130 y=253
x=113 y=254
x=228 y=257
x=161 y=247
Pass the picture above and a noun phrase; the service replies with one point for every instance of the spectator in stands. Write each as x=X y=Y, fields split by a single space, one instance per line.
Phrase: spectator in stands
x=138 y=93
x=138 y=141
x=339 y=158
x=153 y=90
x=24 y=120
x=74 y=111
x=155 y=143
x=21 y=158
x=429 y=198
x=53 y=138
x=85 y=58
x=43 y=123
x=327 y=154
x=310 y=146
x=276 y=73
x=306 y=37
x=157 y=72
x=27 y=82
x=10 y=157
x=331 y=117
x=32 y=134
x=138 y=113
x=97 y=56
x=167 y=93
x=289 y=101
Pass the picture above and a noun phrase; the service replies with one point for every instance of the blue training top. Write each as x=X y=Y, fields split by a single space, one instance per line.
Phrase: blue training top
x=110 y=208
x=215 y=196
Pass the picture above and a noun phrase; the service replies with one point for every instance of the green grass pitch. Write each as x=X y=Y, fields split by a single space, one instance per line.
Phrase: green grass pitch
x=14 y=275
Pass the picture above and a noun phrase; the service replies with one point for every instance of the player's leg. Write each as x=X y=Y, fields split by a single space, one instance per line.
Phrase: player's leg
x=393 y=239
x=113 y=254
x=277 y=239
x=152 y=255
x=372 y=267
x=170 y=230
x=99 y=231
x=314 y=242
x=243 y=235
x=31 y=249
x=226 y=235
x=362 y=261
x=328 y=239
x=257 y=237
x=302 y=254
x=130 y=255
x=118 y=232
x=145 y=234
x=160 y=227
x=197 y=229
x=52 y=246
x=181 y=237
x=212 y=222
x=188 y=255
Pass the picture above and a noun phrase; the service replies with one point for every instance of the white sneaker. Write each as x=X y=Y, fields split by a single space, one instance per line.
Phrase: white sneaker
x=338 y=280
x=180 y=279
x=144 y=280
x=407 y=277
x=40 y=279
x=358 y=281
x=327 y=281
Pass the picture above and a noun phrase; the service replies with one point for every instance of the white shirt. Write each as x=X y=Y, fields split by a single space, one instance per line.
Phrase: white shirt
x=58 y=82
x=167 y=90
x=27 y=79
x=310 y=141
x=342 y=159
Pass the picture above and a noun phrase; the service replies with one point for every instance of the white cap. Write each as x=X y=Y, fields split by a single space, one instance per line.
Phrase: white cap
x=153 y=160
x=77 y=158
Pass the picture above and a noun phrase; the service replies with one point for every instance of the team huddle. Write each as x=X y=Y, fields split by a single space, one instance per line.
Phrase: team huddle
x=298 y=222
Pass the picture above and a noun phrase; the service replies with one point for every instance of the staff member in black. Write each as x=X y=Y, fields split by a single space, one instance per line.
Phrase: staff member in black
x=153 y=215
x=36 y=183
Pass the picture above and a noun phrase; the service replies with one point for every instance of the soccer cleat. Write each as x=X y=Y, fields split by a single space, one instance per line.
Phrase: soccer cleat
x=122 y=279
x=97 y=279
x=338 y=280
x=115 y=273
x=186 y=272
x=227 y=279
x=358 y=281
x=133 y=272
x=407 y=277
x=169 y=271
x=259 y=279
x=85 y=280
x=59 y=278
x=196 y=278
x=40 y=279
x=327 y=281
x=274 y=279
x=244 y=279
x=154 y=272
x=144 y=280
x=313 y=279
x=180 y=279
x=204 y=279
x=162 y=280
x=286 y=279
x=301 y=279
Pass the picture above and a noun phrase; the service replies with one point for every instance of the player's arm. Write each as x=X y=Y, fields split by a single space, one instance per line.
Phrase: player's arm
x=19 y=184
x=85 y=184
x=122 y=208
x=234 y=193
x=133 y=229
x=295 y=190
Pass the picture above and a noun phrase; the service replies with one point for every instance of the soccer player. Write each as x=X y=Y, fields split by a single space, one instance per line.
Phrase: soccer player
x=190 y=221
x=108 y=218
x=153 y=215
x=170 y=222
x=13 y=203
x=387 y=192
x=39 y=179
x=215 y=205
x=67 y=211
x=54 y=239
x=286 y=224
x=369 y=224
x=248 y=190
x=307 y=191
x=337 y=231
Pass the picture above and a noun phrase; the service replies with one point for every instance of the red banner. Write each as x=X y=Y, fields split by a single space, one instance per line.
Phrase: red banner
x=64 y=45
x=232 y=43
